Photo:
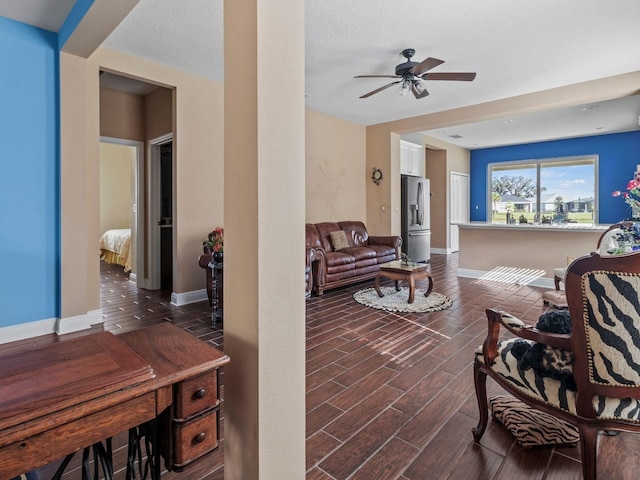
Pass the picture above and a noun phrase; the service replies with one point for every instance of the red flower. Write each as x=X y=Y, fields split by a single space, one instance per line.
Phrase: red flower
x=633 y=184
x=215 y=240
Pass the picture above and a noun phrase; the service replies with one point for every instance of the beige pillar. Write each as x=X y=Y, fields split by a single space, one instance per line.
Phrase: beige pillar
x=264 y=322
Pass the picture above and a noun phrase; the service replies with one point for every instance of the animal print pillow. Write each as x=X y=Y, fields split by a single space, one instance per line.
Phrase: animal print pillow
x=530 y=427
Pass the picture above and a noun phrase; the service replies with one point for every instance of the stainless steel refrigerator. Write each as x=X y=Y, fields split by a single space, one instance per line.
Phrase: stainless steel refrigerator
x=416 y=218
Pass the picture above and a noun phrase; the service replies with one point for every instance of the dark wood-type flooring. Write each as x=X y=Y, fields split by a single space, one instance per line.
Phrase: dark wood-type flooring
x=388 y=395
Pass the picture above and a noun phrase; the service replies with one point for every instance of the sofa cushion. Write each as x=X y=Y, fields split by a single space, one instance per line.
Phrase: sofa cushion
x=382 y=250
x=360 y=253
x=339 y=240
x=339 y=262
x=356 y=232
x=324 y=230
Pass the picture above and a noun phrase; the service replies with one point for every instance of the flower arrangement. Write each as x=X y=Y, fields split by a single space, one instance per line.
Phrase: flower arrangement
x=632 y=195
x=215 y=240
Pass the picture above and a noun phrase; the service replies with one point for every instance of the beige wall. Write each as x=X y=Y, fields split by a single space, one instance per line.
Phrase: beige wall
x=158 y=116
x=197 y=126
x=383 y=201
x=442 y=158
x=336 y=172
x=116 y=184
x=121 y=115
x=79 y=293
x=436 y=171
x=198 y=139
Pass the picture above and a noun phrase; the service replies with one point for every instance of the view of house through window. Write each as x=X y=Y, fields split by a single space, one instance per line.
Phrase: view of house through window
x=546 y=191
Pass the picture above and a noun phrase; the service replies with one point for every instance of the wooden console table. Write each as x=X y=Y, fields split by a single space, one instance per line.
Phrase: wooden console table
x=60 y=398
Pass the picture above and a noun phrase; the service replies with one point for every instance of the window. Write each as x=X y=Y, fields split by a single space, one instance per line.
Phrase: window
x=550 y=190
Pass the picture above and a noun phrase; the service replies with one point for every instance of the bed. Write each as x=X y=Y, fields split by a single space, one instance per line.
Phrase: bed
x=115 y=247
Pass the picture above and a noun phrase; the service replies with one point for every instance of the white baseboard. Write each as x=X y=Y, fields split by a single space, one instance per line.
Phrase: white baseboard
x=179 y=299
x=48 y=326
x=508 y=275
x=441 y=251
x=27 y=330
x=79 y=322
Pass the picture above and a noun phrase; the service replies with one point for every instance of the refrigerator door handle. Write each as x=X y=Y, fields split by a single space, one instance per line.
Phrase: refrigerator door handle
x=420 y=204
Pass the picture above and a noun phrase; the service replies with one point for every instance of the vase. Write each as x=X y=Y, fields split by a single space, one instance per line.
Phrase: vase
x=218 y=257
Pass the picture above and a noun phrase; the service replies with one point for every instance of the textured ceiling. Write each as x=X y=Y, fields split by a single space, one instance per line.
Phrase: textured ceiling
x=516 y=47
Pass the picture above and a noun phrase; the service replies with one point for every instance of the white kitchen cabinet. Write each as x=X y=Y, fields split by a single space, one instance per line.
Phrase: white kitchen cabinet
x=411 y=159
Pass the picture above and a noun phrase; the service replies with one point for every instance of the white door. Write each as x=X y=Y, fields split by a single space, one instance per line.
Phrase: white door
x=459 y=206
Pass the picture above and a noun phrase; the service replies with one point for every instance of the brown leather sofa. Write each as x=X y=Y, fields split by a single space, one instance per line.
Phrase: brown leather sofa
x=356 y=261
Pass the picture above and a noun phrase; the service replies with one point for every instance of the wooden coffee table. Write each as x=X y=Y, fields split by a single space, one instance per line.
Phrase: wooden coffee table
x=408 y=272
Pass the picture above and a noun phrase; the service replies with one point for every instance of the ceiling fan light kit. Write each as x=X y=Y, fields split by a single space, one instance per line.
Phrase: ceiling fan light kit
x=411 y=74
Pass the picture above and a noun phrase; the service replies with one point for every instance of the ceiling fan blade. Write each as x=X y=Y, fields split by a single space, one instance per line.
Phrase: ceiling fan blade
x=426 y=64
x=417 y=94
x=377 y=76
x=379 y=89
x=460 y=76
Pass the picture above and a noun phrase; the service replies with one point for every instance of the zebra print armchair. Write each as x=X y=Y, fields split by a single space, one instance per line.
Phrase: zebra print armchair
x=603 y=294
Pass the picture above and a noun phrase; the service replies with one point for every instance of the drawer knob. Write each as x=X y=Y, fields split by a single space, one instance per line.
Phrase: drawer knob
x=200 y=437
x=200 y=393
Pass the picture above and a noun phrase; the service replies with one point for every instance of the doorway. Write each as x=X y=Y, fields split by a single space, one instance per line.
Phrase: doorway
x=120 y=161
x=148 y=109
x=161 y=219
x=166 y=218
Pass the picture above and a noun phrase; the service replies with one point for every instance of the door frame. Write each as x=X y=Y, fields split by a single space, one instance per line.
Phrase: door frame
x=137 y=209
x=153 y=201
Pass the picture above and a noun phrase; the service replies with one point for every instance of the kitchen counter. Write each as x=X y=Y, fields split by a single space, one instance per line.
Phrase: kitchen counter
x=522 y=253
x=580 y=227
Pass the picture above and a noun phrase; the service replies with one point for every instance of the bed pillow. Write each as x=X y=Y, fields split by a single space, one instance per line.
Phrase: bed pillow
x=339 y=240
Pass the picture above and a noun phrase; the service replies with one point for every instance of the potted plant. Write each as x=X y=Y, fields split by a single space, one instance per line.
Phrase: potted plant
x=214 y=244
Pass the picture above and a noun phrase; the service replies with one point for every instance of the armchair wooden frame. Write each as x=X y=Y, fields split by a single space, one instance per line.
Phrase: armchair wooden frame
x=587 y=307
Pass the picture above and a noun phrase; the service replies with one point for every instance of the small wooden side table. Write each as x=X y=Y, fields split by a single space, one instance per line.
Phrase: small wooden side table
x=409 y=272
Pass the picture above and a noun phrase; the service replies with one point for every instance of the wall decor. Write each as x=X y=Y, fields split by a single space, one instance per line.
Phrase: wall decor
x=376 y=176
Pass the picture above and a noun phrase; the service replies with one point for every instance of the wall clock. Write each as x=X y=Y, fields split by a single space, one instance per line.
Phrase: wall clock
x=376 y=176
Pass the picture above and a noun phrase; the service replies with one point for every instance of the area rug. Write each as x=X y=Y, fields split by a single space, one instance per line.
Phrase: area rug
x=394 y=301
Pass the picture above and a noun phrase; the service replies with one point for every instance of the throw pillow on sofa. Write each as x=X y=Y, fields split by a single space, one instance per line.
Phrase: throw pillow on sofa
x=339 y=240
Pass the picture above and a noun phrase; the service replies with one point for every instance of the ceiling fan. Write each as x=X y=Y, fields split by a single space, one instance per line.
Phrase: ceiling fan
x=411 y=75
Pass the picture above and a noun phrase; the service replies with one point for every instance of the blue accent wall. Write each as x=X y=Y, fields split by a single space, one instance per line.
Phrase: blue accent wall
x=619 y=155
x=29 y=183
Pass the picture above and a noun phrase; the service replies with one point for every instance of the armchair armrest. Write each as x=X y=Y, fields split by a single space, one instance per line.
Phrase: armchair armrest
x=520 y=329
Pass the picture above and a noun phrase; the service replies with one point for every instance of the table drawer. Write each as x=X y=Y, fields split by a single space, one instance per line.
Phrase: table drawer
x=194 y=438
x=196 y=395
